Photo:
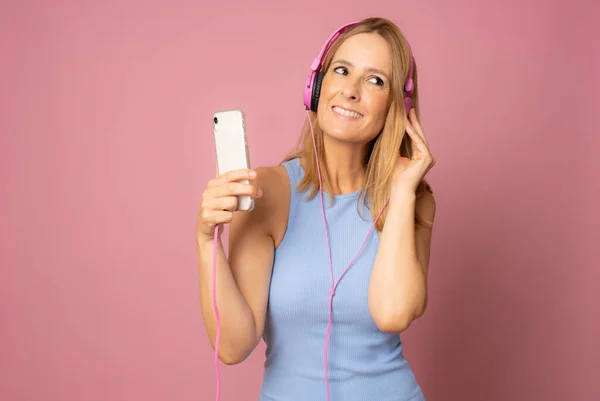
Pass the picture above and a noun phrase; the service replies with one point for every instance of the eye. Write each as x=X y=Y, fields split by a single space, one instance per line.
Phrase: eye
x=341 y=70
x=377 y=81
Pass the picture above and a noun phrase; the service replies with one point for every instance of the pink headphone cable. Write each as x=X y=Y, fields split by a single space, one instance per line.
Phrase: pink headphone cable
x=214 y=285
x=333 y=284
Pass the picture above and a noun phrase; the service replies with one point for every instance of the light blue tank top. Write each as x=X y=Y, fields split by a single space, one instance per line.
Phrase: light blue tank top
x=364 y=363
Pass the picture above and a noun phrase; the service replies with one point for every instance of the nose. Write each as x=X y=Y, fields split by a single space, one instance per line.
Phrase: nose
x=352 y=89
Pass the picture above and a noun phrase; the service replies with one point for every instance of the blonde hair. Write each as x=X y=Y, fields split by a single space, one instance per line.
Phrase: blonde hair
x=382 y=150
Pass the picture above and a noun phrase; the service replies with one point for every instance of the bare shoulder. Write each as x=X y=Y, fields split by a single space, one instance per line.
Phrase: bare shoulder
x=271 y=178
x=425 y=208
x=274 y=184
x=273 y=207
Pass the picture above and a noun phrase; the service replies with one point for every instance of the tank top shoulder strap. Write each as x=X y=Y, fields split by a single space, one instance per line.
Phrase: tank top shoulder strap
x=295 y=174
x=294 y=171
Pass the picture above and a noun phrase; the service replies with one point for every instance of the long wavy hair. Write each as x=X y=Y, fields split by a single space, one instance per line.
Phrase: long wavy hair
x=382 y=151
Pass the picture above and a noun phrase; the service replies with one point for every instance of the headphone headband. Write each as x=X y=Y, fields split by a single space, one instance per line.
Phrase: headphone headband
x=318 y=61
x=312 y=89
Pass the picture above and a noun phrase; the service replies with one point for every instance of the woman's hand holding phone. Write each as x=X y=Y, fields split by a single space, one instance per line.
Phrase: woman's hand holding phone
x=220 y=200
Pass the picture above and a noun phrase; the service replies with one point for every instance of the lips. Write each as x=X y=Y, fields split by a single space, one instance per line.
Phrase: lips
x=349 y=113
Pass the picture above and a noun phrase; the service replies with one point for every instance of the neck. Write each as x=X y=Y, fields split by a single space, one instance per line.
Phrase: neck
x=345 y=166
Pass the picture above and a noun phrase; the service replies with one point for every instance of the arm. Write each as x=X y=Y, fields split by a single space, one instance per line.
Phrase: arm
x=242 y=281
x=398 y=284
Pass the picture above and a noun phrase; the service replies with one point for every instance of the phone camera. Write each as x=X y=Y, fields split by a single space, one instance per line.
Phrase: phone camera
x=216 y=120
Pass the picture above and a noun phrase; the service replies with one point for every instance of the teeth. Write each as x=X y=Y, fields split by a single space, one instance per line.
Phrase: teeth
x=346 y=113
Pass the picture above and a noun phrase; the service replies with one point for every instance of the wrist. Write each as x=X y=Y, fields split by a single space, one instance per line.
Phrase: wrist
x=402 y=195
x=203 y=240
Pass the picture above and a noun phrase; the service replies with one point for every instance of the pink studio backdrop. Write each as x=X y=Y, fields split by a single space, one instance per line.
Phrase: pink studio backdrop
x=106 y=147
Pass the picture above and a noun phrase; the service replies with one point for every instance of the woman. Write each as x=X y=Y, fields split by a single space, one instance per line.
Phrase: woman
x=330 y=299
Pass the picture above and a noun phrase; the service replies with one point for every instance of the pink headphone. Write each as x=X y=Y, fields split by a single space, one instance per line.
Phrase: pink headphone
x=312 y=89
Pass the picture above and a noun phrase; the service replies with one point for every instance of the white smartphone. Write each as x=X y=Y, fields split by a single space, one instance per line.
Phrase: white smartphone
x=231 y=146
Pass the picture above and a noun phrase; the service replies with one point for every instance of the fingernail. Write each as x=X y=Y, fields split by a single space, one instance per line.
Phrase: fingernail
x=252 y=173
x=260 y=192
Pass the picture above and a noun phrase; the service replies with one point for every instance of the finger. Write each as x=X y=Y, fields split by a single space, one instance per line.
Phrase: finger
x=240 y=174
x=417 y=125
x=224 y=203
x=413 y=134
x=237 y=189
x=233 y=175
x=418 y=143
x=418 y=136
x=214 y=217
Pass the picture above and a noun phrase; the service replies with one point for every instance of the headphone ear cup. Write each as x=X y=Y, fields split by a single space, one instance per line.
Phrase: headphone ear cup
x=316 y=91
x=407 y=103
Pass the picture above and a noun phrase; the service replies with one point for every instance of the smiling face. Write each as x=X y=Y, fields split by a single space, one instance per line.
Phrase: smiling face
x=356 y=92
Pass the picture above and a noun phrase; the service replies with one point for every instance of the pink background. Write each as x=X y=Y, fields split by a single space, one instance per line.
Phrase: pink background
x=106 y=148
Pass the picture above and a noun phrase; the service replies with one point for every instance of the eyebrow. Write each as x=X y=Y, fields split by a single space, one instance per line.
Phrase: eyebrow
x=372 y=69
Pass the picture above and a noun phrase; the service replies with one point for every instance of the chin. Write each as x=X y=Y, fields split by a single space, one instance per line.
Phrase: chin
x=343 y=128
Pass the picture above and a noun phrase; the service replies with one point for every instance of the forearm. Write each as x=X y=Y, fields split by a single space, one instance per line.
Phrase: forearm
x=237 y=337
x=397 y=290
